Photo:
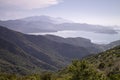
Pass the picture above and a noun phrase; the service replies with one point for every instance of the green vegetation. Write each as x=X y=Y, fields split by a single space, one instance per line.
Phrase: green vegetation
x=103 y=66
x=27 y=58
x=22 y=53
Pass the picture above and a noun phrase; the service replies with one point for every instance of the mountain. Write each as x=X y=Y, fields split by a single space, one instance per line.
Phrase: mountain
x=102 y=66
x=25 y=26
x=35 y=52
x=36 y=24
x=14 y=60
x=78 y=41
x=86 y=27
x=112 y=44
x=48 y=19
x=108 y=61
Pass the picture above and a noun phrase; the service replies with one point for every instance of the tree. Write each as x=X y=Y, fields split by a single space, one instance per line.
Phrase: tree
x=82 y=70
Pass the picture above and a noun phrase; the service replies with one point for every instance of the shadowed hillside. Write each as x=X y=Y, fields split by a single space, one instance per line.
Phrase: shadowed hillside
x=103 y=66
x=41 y=52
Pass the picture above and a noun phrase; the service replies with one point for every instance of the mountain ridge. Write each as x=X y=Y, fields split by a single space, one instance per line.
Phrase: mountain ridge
x=48 y=54
x=78 y=41
x=48 y=24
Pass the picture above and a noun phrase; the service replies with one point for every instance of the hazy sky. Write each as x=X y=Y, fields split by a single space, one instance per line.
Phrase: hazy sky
x=104 y=12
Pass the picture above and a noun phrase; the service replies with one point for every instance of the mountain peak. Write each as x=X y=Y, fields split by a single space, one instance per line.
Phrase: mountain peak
x=45 y=18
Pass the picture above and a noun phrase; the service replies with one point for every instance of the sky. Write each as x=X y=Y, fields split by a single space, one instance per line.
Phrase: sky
x=101 y=12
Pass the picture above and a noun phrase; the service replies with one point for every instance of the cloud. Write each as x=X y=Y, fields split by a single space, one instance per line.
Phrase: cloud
x=28 y=4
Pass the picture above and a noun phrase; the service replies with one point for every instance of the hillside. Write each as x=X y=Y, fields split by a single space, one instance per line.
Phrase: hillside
x=112 y=44
x=14 y=60
x=108 y=61
x=102 y=66
x=42 y=53
x=78 y=41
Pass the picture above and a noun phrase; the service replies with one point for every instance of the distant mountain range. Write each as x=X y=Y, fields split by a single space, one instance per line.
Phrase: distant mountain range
x=22 y=53
x=43 y=23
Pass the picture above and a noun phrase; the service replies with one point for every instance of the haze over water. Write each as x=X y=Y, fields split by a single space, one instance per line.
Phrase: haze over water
x=94 y=37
